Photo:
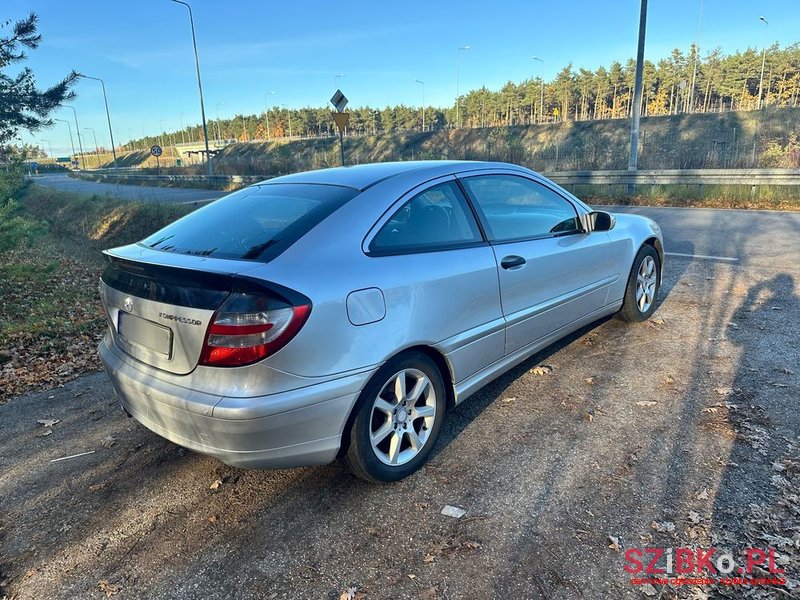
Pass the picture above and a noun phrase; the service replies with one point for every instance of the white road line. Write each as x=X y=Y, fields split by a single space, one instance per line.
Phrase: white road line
x=728 y=258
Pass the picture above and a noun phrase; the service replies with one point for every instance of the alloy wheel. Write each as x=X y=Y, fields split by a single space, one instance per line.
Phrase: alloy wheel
x=646 y=281
x=402 y=417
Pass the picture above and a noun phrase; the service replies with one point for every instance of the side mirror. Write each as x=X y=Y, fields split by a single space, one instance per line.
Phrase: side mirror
x=600 y=220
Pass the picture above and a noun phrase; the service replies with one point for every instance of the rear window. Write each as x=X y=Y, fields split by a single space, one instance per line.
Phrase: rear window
x=256 y=223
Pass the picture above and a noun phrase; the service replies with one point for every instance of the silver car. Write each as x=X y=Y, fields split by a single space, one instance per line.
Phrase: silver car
x=342 y=312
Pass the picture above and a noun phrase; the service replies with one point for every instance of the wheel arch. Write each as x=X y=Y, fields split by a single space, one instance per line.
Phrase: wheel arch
x=659 y=248
x=438 y=359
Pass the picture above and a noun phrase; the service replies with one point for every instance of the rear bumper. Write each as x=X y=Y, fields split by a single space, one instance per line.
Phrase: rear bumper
x=289 y=429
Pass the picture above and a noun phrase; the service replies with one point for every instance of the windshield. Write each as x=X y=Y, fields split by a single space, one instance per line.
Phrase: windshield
x=255 y=223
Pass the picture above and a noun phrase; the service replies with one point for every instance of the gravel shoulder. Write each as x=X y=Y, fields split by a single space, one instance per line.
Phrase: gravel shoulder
x=678 y=420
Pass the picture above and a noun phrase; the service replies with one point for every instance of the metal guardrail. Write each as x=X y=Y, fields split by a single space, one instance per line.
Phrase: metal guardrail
x=651 y=177
x=679 y=176
x=176 y=178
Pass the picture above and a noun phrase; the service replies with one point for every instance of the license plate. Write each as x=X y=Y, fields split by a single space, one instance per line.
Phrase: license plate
x=145 y=334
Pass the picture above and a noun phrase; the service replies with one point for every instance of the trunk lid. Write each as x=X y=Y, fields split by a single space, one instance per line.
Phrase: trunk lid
x=159 y=305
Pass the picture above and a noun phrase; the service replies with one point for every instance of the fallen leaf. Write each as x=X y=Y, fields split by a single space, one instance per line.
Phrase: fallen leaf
x=589 y=380
x=108 y=588
x=215 y=485
x=45 y=433
x=664 y=526
x=429 y=558
x=541 y=370
x=108 y=441
x=348 y=593
x=213 y=519
x=711 y=409
x=471 y=545
x=646 y=403
x=695 y=517
x=48 y=422
x=649 y=590
x=702 y=495
x=658 y=321
x=453 y=511
x=613 y=543
x=724 y=391
x=508 y=400
x=97 y=487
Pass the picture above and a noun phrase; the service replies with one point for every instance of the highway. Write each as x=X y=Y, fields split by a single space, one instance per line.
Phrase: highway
x=65 y=183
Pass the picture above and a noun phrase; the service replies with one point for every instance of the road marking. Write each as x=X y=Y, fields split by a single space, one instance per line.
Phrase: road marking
x=705 y=256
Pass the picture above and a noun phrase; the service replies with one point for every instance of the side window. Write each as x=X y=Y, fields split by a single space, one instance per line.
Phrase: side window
x=437 y=218
x=517 y=208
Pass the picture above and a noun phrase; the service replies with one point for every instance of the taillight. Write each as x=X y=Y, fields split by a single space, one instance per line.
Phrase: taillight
x=249 y=327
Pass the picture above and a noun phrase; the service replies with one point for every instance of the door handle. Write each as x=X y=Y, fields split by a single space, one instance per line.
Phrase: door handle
x=512 y=262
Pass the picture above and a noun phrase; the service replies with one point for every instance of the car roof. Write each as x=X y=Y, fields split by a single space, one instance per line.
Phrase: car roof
x=362 y=177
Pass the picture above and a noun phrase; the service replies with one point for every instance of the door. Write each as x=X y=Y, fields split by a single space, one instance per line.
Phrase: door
x=551 y=271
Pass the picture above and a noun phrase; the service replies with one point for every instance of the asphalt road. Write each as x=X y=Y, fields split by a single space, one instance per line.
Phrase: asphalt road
x=65 y=183
x=746 y=237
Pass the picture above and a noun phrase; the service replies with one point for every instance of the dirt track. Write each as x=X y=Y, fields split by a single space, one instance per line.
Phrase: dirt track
x=636 y=426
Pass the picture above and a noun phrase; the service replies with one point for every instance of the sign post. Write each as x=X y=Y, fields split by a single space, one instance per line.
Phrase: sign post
x=157 y=151
x=340 y=118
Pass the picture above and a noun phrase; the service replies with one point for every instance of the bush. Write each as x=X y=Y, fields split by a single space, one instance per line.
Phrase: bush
x=12 y=183
x=15 y=228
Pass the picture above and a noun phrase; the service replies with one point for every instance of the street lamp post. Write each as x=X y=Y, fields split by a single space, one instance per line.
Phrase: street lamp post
x=266 y=111
x=69 y=129
x=96 y=150
x=541 y=93
x=216 y=108
x=422 y=83
x=108 y=115
x=633 y=157
x=458 y=92
x=78 y=131
x=763 y=61
x=209 y=169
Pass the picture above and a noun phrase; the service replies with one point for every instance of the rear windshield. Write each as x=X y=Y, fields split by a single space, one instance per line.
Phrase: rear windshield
x=256 y=223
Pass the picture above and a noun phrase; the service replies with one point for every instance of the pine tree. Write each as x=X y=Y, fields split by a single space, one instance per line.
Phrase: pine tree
x=22 y=104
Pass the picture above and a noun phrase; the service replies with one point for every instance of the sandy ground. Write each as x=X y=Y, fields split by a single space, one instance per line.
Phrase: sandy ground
x=678 y=421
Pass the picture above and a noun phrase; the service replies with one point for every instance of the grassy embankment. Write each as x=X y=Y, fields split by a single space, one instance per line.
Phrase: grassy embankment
x=50 y=261
x=724 y=140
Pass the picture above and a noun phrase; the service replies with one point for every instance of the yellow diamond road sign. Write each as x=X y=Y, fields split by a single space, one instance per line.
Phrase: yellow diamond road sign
x=339 y=101
x=341 y=119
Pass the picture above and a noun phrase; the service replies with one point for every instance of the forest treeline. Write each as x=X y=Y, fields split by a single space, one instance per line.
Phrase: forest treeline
x=685 y=82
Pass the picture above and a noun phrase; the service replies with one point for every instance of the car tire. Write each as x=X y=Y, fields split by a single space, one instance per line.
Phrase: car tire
x=399 y=415
x=644 y=283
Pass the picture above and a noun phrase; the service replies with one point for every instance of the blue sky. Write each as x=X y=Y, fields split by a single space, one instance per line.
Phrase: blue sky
x=248 y=48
